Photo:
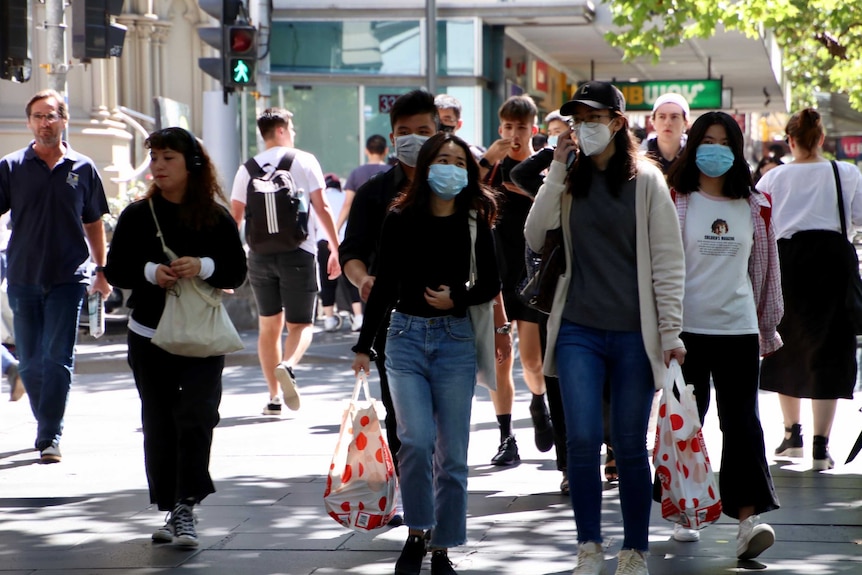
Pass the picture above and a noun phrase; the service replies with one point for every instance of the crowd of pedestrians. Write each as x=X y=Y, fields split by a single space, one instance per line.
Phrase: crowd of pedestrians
x=674 y=249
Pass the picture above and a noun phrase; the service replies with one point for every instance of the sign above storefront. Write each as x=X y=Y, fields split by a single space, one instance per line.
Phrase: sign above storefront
x=700 y=94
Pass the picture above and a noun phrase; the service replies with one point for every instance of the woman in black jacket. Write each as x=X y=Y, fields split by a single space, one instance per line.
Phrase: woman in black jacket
x=180 y=395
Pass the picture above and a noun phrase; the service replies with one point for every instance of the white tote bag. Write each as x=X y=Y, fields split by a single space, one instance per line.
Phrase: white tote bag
x=482 y=318
x=194 y=322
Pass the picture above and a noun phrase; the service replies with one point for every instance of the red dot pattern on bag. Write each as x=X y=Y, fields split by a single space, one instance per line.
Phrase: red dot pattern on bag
x=365 y=420
x=712 y=492
x=662 y=410
x=345 y=506
x=676 y=421
x=361 y=470
x=361 y=441
x=682 y=445
x=378 y=455
x=348 y=473
x=361 y=506
x=382 y=503
x=682 y=504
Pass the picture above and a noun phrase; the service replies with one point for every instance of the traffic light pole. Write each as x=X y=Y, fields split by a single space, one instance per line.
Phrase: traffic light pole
x=56 y=33
x=262 y=18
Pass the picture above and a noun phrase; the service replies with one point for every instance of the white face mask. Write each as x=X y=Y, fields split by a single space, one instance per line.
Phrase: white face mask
x=407 y=148
x=594 y=137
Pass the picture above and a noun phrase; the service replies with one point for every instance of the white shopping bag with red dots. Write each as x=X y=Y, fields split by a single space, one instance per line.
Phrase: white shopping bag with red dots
x=689 y=494
x=361 y=486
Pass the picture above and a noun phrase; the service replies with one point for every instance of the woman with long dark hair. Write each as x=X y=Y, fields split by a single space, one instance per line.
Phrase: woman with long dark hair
x=424 y=266
x=617 y=312
x=180 y=395
x=731 y=308
x=818 y=360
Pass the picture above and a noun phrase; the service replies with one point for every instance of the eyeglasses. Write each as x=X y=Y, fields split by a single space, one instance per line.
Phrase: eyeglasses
x=52 y=117
x=590 y=119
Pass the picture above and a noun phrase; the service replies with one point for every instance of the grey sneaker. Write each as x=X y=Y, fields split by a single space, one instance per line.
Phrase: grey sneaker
x=285 y=377
x=165 y=533
x=183 y=524
x=632 y=562
x=591 y=559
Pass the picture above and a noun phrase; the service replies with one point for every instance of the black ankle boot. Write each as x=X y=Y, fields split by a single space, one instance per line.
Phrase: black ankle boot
x=410 y=561
x=820 y=451
x=440 y=564
x=792 y=446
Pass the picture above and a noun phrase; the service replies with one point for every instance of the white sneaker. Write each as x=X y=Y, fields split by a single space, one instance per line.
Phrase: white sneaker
x=754 y=538
x=591 y=559
x=356 y=322
x=285 y=377
x=684 y=535
x=165 y=533
x=632 y=562
x=331 y=323
x=51 y=454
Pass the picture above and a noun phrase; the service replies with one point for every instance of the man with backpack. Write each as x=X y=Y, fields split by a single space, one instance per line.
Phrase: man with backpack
x=272 y=194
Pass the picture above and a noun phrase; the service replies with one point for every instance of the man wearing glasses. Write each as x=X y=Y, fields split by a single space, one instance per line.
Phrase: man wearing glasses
x=57 y=202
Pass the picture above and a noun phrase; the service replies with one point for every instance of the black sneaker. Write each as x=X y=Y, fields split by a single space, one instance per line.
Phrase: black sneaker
x=542 y=427
x=440 y=564
x=410 y=561
x=273 y=407
x=183 y=522
x=507 y=454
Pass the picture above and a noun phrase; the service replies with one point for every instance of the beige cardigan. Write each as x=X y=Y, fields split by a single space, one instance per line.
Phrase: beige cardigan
x=660 y=260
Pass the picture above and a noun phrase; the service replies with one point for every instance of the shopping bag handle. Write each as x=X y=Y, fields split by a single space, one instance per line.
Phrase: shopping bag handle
x=361 y=384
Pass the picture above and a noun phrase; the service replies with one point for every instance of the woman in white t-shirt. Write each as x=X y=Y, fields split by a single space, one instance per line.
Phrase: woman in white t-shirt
x=732 y=306
x=818 y=360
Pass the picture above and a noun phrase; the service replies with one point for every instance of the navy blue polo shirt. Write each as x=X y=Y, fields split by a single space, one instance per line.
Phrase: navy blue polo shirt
x=48 y=209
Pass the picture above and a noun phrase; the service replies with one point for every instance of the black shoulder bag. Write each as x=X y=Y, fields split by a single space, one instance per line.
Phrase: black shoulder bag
x=853 y=297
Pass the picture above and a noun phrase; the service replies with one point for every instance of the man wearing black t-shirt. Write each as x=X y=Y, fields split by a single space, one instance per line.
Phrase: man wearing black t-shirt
x=517 y=126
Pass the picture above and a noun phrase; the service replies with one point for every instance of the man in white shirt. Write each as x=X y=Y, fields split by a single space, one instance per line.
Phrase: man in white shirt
x=285 y=283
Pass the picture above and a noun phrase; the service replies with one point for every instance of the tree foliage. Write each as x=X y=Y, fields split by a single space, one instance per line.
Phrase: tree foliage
x=821 y=39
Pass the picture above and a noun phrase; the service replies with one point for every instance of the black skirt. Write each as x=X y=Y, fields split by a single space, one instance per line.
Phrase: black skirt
x=818 y=359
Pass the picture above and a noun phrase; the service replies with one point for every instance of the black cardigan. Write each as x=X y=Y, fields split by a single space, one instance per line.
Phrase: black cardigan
x=134 y=244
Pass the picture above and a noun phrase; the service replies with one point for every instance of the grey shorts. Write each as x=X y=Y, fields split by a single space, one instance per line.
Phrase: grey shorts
x=285 y=281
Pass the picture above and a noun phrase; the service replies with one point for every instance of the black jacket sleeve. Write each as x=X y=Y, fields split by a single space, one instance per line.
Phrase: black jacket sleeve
x=527 y=175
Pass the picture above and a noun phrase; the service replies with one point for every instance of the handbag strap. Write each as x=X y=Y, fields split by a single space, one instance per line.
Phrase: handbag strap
x=361 y=384
x=473 y=274
x=841 y=213
x=168 y=252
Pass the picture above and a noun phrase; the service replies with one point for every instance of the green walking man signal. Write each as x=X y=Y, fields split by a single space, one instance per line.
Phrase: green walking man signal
x=241 y=57
x=240 y=71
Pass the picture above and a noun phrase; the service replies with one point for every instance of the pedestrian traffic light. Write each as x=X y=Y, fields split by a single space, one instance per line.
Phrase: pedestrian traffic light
x=226 y=12
x=15 y=24
x=94 y=36
x=241 y=57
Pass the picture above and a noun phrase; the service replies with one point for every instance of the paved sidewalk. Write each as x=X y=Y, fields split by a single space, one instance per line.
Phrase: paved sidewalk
x=90 y=514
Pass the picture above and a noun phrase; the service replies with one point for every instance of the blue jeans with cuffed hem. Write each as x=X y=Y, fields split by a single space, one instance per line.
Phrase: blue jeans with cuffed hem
x=431 y=365
x=585 y=358
x=46 y=329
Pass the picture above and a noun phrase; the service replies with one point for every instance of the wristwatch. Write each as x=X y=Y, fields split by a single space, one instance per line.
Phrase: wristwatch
x=99 y=269
x=483 y=161
x=504 y=329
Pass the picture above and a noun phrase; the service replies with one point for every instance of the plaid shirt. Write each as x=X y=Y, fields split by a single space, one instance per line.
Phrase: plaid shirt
x=763 y=268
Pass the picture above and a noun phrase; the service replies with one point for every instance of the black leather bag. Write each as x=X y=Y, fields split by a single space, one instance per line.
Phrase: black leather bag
x=543 y=274
x=853 y=297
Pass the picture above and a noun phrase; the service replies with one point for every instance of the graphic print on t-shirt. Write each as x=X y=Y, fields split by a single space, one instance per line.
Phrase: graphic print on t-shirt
x=718 y=241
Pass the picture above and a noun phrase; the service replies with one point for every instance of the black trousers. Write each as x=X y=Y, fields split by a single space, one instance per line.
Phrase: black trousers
x=733 y=363
x=180 y=397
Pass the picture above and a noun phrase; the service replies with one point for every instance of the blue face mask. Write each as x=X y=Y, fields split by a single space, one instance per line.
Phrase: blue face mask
x=714 y=159
x=447 y=180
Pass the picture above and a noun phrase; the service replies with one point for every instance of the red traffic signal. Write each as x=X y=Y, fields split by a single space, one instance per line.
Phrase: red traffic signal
x=241 y=40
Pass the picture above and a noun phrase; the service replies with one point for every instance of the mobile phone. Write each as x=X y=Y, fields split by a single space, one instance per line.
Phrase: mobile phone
x=96 y=309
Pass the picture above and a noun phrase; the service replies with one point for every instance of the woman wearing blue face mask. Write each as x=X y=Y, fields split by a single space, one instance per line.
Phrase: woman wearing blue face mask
x=424 y=266
x=732 y=306
x=617 y=311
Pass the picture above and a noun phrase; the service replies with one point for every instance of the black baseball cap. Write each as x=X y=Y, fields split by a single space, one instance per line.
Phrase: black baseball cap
x=600 y=95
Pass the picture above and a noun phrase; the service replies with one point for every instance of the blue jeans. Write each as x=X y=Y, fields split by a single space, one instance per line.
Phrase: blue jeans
x=585 y=358
x=431 y=364
x=46 y=328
